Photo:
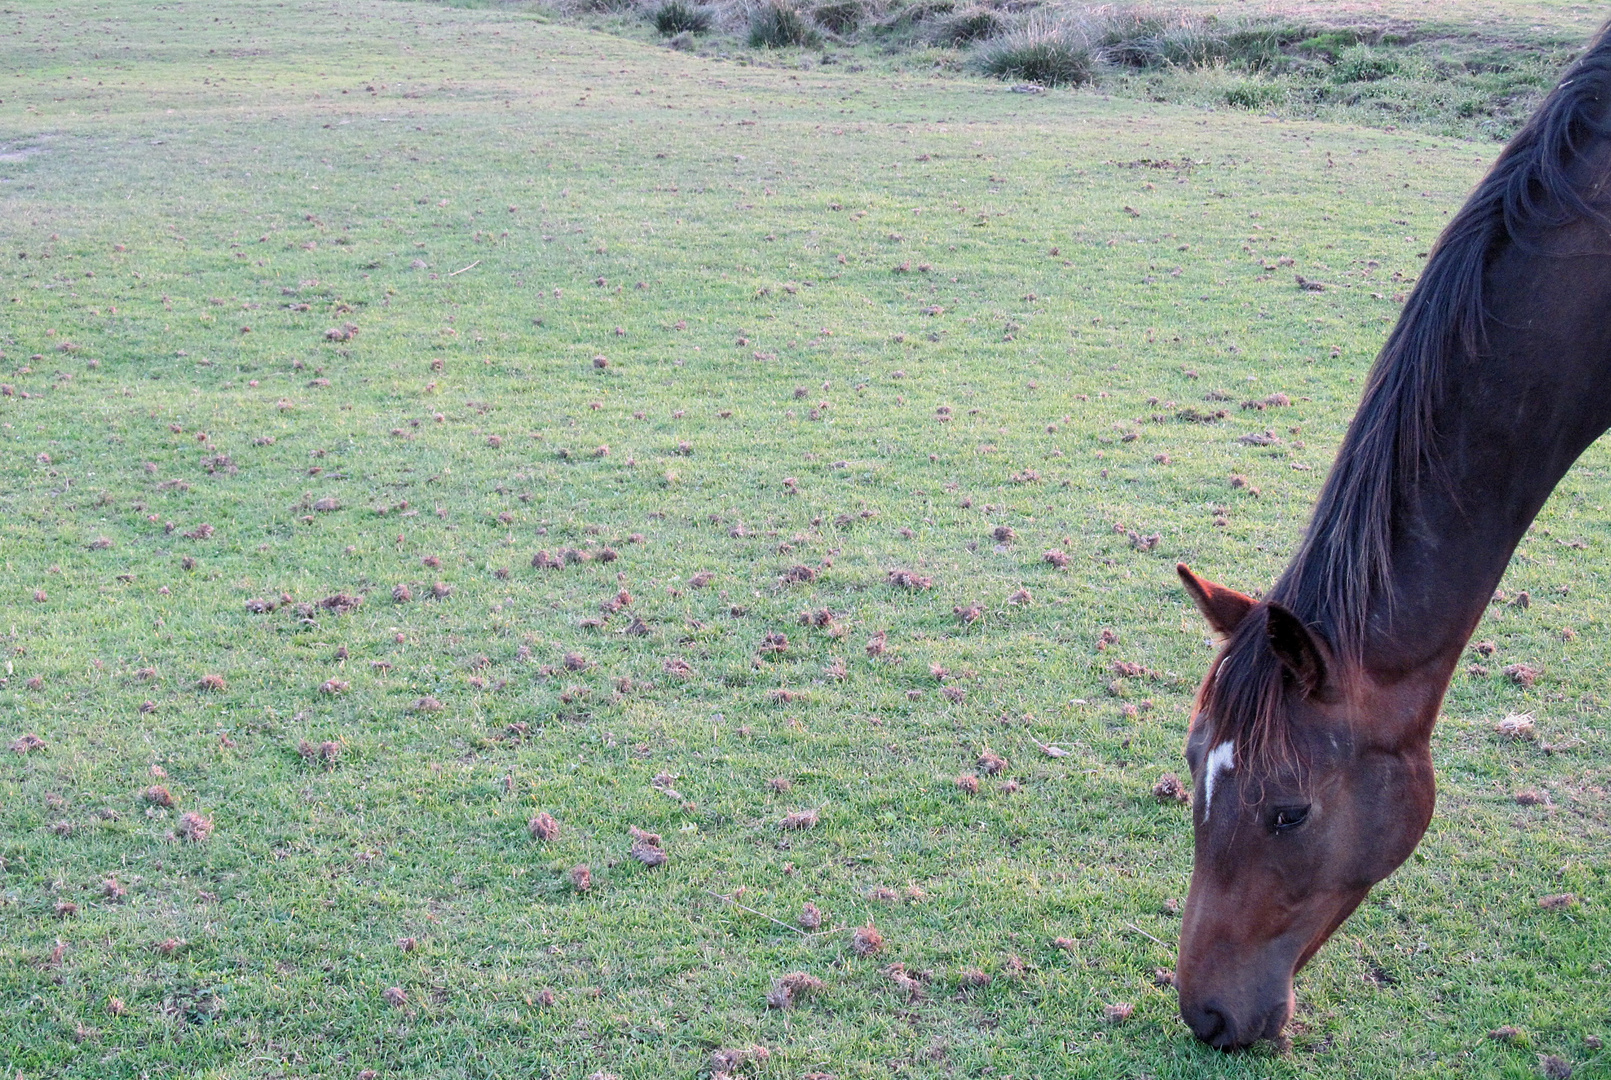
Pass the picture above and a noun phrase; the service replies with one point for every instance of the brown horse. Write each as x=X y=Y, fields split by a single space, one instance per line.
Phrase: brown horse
x=1310 y=742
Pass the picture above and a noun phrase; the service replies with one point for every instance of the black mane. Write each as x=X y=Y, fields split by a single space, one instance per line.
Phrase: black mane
x=1344 y=563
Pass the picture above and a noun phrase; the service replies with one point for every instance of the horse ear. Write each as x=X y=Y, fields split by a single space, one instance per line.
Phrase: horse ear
x=1223 y=608
x=1298 y=649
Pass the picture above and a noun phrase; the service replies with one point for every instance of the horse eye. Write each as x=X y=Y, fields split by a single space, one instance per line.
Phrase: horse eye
x=1290 y=818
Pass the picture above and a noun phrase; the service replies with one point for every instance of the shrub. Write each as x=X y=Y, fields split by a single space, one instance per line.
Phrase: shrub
x=968 y=26
x=1042 y=51
x=676 y=17
x=777 y=25
x=839 y=16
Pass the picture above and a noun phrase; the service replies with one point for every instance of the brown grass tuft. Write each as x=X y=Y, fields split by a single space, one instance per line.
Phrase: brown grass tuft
x=194 y=827
x=1558 y=901
x=800 y=819
x=866 y=940
x=157 y=795
x=428 y=704
x=334 y=686
x=968 y=784
x=1554 y=1067
x=1118 y=1012
x=341 y=603
x=780 y=783
x=906 y=579
x=810 y=918
x=408 y=944
x=211 y=682
x=972 y=613
x=395 y=996
x=27 y=743
x=441 y=590
x=992 y=763
x=1523 y=674
x=1517 y=726
x=581 y=878
x=788 y=989
x=1169 y=789
x=543 y=826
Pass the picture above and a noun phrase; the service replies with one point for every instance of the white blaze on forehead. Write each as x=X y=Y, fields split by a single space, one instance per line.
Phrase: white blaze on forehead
x=1220 y=759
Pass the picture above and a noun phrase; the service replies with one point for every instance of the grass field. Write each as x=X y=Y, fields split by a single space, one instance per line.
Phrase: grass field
x=307 y=299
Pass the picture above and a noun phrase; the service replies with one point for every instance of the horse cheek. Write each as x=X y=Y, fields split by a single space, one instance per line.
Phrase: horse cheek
x=1398 y=796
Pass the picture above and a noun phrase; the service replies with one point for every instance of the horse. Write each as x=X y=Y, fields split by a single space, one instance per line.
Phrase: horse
x=1309 y=742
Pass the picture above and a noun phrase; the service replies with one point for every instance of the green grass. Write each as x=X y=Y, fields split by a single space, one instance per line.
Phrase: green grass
x=480 y=193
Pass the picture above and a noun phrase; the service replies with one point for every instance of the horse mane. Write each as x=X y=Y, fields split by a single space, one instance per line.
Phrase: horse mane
x=1345 y=560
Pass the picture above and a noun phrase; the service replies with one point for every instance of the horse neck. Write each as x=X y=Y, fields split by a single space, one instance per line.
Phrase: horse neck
x=1509 y=423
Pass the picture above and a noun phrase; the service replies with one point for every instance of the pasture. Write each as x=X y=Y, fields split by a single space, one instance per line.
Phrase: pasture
x=325 y=320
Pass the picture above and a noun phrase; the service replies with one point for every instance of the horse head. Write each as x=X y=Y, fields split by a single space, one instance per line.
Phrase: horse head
x=1313 y=782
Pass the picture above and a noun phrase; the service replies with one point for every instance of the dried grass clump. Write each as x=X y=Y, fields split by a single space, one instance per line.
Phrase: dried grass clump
x=787 y=990
x=646 y=848
x=1523 y=674
x=1517 y=726
x=543 y=826
x=1169 y=789
x=906 y=579
x=194 y=827
x=866 y=940
x=27 y=743
x=800 y=819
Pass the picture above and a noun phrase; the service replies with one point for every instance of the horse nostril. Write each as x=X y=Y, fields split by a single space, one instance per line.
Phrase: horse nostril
x=1208 y=1023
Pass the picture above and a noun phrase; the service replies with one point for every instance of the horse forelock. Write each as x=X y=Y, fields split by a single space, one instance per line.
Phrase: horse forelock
x=1243 y=700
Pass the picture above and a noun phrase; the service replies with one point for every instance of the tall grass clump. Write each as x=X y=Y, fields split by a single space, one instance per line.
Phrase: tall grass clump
x=778 y=25
x=839 y=16
x=968 y=26
x=1044 y=51
x=676 y=17
x=1148 y=38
